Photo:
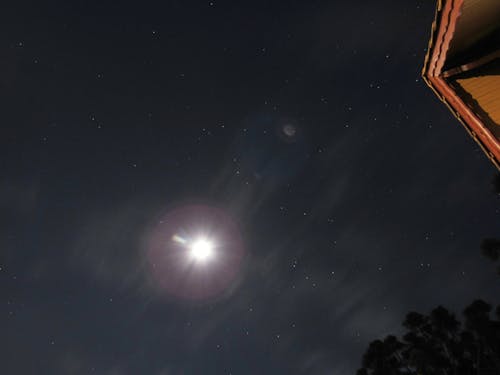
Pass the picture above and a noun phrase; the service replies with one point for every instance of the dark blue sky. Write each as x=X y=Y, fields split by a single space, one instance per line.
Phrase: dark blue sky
x=357 y=194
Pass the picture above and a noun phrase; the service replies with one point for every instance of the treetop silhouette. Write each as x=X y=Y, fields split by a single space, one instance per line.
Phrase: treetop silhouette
x=439 y=344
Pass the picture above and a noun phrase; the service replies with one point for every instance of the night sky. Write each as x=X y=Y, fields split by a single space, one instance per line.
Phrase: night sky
x=298 y=137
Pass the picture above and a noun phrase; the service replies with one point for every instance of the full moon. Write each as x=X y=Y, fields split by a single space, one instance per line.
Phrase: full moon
x=201 y=250
x=195 y=252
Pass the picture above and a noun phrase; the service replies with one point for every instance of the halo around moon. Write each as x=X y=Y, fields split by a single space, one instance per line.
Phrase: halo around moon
x=195 y=252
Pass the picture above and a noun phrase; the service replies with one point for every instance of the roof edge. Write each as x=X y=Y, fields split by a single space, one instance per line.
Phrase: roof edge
x=443 y=27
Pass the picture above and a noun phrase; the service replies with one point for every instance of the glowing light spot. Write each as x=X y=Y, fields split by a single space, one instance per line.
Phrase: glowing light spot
x=201 y=250
x=194 y=252
x=289 y=130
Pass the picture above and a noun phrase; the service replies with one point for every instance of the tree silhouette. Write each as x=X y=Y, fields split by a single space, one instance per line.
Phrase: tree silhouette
x=439 y=344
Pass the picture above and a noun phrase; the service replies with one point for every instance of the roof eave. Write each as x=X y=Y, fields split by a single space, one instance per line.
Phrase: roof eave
x=443 y=28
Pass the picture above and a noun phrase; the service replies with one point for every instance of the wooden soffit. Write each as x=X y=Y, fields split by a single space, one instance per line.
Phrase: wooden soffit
x=462 y=66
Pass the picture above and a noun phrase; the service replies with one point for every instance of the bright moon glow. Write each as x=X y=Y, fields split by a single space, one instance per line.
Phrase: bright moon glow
x=201 y=250
x=195 y=252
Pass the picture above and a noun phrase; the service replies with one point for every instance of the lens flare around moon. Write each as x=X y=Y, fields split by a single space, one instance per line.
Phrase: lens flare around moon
x=195 y=252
